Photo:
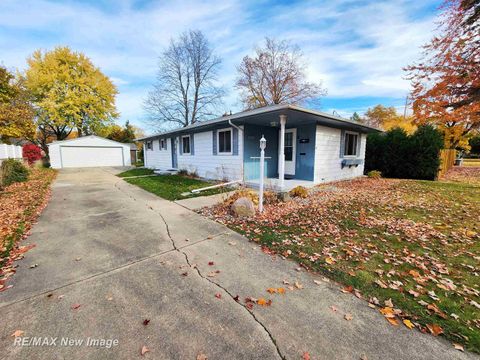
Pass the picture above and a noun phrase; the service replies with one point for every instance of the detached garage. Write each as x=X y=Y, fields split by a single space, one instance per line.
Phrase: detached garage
x=88 y=151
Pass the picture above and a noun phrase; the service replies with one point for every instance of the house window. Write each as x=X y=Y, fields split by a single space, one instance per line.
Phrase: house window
x=351 y=141
x=149 y=145
x=186 y=144
x=288 y=148
x=224 y=141
x=162 y=144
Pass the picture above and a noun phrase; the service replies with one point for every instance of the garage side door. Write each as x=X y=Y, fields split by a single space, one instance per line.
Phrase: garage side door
x=86 y=156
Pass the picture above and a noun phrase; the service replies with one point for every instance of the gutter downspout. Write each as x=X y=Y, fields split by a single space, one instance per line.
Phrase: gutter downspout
x=240 y=130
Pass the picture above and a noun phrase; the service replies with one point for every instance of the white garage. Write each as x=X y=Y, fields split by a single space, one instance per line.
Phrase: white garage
x=88 y=151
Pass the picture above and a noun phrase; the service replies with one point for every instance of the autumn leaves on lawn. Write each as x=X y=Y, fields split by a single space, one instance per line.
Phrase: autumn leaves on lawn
x=410 y=248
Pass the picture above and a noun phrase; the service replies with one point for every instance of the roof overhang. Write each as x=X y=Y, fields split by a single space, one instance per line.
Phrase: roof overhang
x=270 y=116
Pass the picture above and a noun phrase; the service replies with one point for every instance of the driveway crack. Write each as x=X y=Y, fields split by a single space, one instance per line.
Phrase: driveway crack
x=193 y=266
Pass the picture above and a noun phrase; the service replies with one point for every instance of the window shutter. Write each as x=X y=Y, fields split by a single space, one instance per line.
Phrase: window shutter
x=359 y=143
x=342 y=143
x=214 y=143
x=235 y=141
x=180 y=143
x=192 y=145
x=166 y=143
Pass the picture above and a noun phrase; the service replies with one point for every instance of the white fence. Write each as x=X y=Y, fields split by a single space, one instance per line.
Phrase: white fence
x=10 y=151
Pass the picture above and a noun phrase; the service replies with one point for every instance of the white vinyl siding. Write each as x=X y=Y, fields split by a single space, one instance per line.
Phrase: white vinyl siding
x=210 y=166
x=327 y=161
x=159 y=159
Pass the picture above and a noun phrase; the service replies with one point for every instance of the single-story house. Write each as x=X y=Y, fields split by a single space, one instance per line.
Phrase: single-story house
x=304 y=147
x=88 y=151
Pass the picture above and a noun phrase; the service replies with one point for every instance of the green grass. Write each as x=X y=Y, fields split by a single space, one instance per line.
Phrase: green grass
x=136 y=172
x=171 y=187
x=398 y=229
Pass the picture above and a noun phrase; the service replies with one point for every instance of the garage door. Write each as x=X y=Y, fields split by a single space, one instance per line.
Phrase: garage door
x=91 y=156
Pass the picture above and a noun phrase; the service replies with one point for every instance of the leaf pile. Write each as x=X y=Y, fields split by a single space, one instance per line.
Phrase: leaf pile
x=415 y=243
x=20 y=205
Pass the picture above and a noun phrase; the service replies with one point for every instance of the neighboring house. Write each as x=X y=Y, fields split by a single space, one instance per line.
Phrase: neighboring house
x=304 y=147
x=88 y=151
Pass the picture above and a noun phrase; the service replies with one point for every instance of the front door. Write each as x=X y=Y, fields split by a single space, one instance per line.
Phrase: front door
x=174 y=153
x=290 y=146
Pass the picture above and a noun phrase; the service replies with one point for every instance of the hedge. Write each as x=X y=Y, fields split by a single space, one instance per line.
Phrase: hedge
x=12 y=171
x=399 y=155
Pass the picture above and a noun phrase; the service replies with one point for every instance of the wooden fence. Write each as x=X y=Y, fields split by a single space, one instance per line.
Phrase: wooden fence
x=447 y=160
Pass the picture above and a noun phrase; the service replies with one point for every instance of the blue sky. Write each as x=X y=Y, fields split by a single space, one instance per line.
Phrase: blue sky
x=357 y=48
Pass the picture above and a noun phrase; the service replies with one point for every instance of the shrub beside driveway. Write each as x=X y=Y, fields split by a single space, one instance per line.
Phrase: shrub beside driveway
x=410 y=248
x=20 y=205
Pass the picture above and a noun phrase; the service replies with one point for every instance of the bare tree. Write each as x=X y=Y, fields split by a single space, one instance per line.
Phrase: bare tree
x=276 y=75
x=186 y=89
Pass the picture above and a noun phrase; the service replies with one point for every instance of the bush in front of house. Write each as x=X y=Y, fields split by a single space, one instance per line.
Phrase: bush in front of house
x=298 y=191
x=399 y=155
x=374 y=174
x=12 y=171
x=32 y=153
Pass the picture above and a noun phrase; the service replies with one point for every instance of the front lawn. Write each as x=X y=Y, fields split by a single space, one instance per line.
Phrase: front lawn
x=410 y=248
x=136 y=172
x=20 y=205
x=171 y=187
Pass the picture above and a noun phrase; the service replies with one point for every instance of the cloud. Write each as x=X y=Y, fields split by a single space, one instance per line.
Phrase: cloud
x=358 y=48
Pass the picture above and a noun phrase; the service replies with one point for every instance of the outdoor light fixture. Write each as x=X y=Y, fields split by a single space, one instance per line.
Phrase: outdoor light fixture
x=263 y=143
x=273 y=123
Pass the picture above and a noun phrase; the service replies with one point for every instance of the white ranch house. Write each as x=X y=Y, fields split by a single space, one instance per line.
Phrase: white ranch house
x=304 y=147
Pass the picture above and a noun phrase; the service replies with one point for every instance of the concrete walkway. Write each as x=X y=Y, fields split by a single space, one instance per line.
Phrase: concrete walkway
x=111 y=255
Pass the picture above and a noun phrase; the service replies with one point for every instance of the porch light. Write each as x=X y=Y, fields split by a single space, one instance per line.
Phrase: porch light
x=273 y=123
x=263 y=143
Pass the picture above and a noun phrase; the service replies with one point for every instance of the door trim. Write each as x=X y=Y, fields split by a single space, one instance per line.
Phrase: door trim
x=292 y=165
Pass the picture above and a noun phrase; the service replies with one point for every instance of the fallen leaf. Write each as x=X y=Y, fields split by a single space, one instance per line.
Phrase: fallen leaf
x=458 y=347
x=318 y=282
x=348 y=317
x=408 y=323
x=389 y=303
x=298 y=285
x=185 y=273
x=202 y=357
x=218 y=295
x=33 y=266
x=264 y=302
x=146 y=322
x=435 y=329
x=76 y=306
x=333 y=308
x=211 y=263
x=236 y=298
x=17 y=333
x=392 y=321
x=347 y=289
x=144 y=350
x=306 y=356
x=271 y=290
x=281 y=290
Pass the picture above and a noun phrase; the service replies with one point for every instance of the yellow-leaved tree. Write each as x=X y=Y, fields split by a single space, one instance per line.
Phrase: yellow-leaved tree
x=69 y=94
x=387 y=118
x=16 y=114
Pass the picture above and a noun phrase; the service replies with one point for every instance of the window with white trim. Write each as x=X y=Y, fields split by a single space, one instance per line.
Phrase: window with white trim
x=224 y=141
x=351 y=141
x=162 y=144
x=149 y=145
x=186 y=144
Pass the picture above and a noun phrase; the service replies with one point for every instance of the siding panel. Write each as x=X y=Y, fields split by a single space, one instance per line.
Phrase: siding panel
x=327 y=162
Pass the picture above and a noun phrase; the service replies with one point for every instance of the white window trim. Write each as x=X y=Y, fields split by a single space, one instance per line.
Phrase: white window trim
x=189 y=145
x=356 y=145
x=231 y=141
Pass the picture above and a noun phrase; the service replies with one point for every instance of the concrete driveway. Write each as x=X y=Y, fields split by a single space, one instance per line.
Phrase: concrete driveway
x=111 y=255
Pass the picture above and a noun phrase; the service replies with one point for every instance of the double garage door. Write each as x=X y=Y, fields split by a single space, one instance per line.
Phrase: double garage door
x=91 y=156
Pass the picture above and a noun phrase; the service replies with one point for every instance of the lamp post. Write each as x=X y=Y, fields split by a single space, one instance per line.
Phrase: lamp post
x=263 y=145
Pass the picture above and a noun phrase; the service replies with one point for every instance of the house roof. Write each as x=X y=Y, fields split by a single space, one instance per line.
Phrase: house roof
x=256 y=115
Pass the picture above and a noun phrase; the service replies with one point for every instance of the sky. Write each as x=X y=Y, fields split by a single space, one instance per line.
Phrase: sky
x=357 y=49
